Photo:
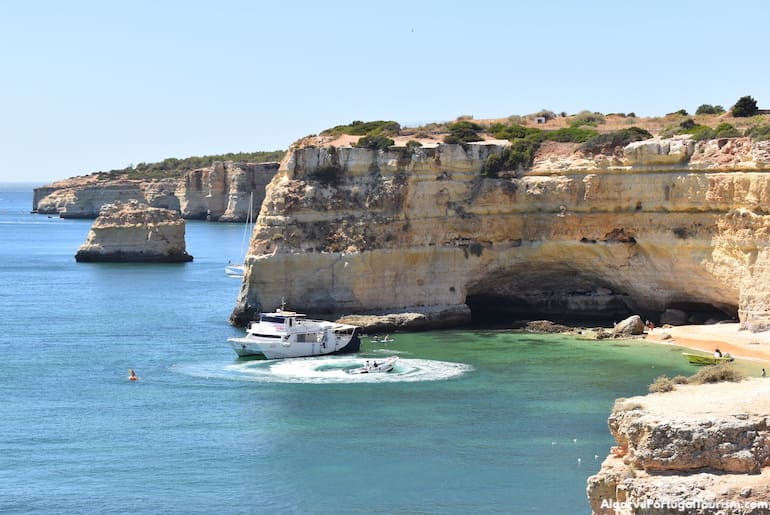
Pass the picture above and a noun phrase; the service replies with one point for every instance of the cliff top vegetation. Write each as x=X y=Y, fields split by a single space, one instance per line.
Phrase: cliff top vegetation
x=744 y=118
x=173 y=167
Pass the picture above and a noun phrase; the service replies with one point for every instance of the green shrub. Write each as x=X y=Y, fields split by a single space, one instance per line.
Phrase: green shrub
x=519 y=155
x=745 y=107
x=374 y=142
x=661 y=384
x=570 y=135
x=725 y=130
x=717 y=374
x=522 y=153
x=681 y=112
x=586 y=118
x=701 y=132
x=359 y=128
x=413 y=144
x=709 y=109
x=510 y=132
x=760 y=132
x=463 y=131
x=610 y=140
x=495 y=163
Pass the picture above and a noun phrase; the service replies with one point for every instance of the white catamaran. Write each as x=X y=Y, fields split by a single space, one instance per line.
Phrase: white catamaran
x=286 y=334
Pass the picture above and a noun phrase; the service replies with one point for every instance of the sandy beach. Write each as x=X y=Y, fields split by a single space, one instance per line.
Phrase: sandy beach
x=726 y=337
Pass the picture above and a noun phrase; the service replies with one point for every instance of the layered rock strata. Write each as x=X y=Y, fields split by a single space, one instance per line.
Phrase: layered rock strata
x=220 y=192
x=655 y=225
x=133 y=232
x=699 y=449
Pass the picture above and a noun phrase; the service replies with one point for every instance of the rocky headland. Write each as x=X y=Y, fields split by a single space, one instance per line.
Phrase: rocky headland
x=220 y=192
x=651 y=226
x=130 y=232
x=701 y=449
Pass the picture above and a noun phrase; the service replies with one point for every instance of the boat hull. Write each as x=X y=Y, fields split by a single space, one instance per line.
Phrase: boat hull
x=382 y=367
x=234 y=270
x=699 y=359
x=273 y=348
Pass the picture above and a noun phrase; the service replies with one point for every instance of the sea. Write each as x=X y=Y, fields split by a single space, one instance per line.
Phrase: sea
x=475 y=420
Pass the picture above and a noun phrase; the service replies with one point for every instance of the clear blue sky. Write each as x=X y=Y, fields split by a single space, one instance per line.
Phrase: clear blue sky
x=97 y=85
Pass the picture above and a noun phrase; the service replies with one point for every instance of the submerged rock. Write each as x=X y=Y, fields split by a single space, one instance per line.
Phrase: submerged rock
x=132 y=232
x=546 y=326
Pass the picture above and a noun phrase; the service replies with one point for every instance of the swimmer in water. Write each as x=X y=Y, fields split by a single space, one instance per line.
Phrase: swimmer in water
x=132 y=375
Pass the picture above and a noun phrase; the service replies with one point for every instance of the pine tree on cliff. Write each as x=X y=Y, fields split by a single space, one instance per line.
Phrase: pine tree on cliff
x=745 y=107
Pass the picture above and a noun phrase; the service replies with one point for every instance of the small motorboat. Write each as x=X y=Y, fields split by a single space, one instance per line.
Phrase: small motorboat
x=373 y=366
x=700 y=359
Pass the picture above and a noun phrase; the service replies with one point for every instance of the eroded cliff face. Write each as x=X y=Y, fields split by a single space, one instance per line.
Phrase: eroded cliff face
x=658 y=224
x=220 y=192
x=698 y=449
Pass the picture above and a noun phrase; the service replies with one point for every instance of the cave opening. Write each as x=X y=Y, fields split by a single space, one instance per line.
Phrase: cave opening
x=564 y=295
x=680 y=313
x=490 y=310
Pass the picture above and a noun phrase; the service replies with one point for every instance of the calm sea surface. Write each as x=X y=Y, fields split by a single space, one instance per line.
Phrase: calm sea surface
x=483 y=421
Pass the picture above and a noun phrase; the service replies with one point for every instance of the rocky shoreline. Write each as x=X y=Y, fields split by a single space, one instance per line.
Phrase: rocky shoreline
x=701 y=449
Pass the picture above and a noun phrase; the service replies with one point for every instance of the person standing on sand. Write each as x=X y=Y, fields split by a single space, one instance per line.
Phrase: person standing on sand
x=717 y=353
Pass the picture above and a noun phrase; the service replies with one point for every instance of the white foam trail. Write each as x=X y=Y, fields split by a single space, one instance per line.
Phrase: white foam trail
x=326 y=370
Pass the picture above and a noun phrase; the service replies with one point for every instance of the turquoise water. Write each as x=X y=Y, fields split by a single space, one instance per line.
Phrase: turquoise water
x=469 y=422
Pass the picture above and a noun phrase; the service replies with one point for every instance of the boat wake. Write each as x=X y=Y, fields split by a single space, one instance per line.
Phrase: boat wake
x=326 y=370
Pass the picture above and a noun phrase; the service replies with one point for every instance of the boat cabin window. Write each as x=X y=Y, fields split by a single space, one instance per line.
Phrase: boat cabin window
x=271 y=319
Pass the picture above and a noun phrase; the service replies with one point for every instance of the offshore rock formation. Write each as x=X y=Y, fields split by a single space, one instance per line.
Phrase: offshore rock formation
x=659 y=224
x=698 y=449
x=220 y=192
x=134 y=232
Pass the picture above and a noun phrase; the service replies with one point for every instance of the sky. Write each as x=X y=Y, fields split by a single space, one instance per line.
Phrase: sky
x=99 y=85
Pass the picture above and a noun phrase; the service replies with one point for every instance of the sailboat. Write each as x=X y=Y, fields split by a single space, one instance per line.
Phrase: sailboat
x=237 y=269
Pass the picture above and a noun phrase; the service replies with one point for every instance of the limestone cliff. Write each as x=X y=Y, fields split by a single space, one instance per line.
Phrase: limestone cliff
x=654 y=225
x=134 y=232
x=699 y=449
x=220 y=192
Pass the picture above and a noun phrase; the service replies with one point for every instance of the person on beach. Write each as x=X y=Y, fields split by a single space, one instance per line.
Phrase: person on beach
x=717 y=353
x=132 y=375
x=764 y=373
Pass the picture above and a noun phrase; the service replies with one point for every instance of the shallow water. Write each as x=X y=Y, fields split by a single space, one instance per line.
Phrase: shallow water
x=471 y=421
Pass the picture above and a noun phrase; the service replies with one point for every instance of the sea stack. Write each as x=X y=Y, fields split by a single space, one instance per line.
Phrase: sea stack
x=130 y=232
